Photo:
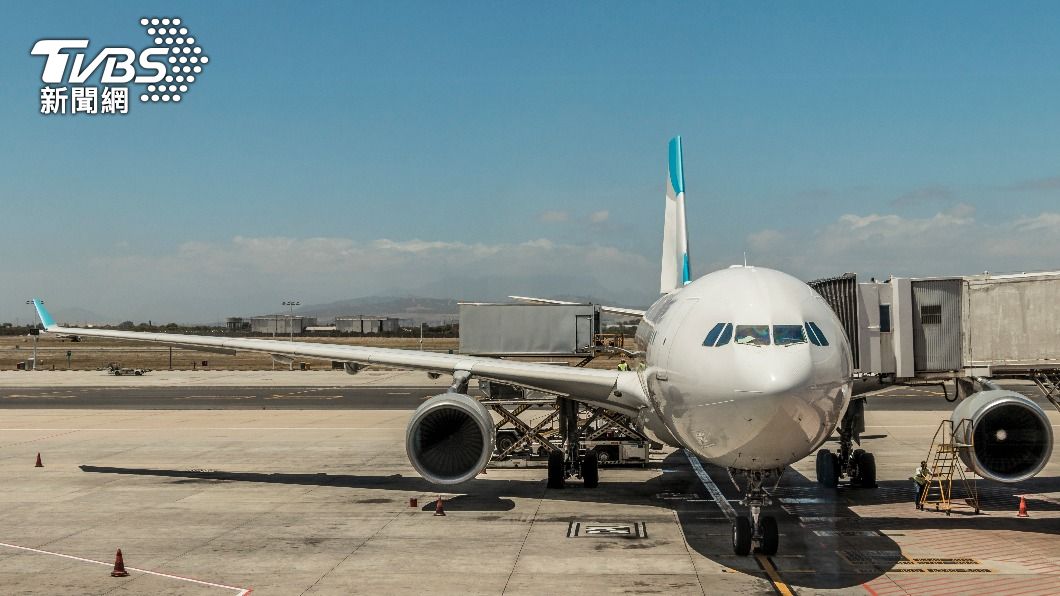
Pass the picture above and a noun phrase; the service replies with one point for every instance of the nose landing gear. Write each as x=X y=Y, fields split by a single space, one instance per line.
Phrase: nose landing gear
x=756 y=531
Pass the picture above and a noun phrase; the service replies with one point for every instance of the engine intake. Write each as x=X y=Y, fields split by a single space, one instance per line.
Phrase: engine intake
x=450 y=438
x=1009 y=437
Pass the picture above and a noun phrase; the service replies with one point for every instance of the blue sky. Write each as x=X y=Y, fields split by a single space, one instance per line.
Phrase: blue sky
x=335 y=150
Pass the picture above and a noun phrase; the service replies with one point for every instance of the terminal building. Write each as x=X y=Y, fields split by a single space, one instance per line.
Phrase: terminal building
x=367 y=324
x=281 y=324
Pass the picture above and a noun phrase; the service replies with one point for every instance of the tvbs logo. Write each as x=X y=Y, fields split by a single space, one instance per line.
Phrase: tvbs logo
x=167 y=69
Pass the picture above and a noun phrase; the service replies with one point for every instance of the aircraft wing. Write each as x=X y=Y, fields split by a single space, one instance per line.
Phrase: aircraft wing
x=615 y=310
x=613 y=389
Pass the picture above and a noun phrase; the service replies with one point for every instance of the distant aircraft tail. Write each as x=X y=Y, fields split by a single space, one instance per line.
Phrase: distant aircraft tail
x=45 y=318
x=675 y=268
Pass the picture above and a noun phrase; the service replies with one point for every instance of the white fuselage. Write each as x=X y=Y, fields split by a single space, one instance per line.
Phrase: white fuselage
x=745 y=403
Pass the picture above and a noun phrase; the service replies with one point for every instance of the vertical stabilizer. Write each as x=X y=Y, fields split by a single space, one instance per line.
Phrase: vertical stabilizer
x=675 y=268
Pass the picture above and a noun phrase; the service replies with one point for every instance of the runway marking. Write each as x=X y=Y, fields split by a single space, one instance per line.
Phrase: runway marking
x=400 y=393
x=239 y=591
x=215 y=397
x=779 y=584
x=712 y=488
x=764 y=562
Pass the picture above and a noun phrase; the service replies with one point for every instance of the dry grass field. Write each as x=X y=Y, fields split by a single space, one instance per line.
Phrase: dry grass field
x=95 y=353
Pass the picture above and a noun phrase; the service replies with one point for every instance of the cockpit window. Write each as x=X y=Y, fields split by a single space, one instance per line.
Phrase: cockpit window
x=726 y=335
x=786 y=335
x=752 y=335
x=719 y=335
x=712 y=337
x=817 y=337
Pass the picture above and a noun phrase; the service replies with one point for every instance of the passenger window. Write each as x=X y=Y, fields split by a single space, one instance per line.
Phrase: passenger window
x=712 y=337
x=752 y=335
x=817 y=337
x=786 y=335
x=719 y=335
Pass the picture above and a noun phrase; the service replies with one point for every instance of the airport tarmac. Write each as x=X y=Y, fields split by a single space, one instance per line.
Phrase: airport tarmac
x=316 y=501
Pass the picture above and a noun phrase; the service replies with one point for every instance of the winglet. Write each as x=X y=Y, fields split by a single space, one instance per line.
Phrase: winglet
x=42 y=312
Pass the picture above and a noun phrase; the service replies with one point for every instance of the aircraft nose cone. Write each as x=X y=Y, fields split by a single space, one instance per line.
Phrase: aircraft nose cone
x=776 y=374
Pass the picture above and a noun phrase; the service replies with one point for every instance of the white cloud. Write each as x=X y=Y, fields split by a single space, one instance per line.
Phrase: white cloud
x=201 y=281
x=880 y=244
x=765 y=240
x=599 y=216
x=554 y=216
x=1046 y=222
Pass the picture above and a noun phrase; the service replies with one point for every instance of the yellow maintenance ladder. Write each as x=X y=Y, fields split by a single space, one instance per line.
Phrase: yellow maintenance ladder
x=944 y=457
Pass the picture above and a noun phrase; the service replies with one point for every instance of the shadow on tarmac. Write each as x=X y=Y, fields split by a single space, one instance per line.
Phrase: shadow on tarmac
x=819 y=530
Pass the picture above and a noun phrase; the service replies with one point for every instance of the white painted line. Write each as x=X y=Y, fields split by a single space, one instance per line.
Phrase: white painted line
x=399 y=393
x=183 y=429
x=239 y=591
x=920 y=425
x=712 y=488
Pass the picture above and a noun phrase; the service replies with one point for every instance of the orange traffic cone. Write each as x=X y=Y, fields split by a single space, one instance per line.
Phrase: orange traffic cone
x=439 y=507
x=1023 y=507
x=38 y=464
x=119 y=566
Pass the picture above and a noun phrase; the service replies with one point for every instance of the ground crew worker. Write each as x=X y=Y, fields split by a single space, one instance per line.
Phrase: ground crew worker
x=921 y=480
x=623 y=366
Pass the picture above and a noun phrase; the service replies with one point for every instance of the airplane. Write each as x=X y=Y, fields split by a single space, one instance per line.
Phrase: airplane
x=747 y=368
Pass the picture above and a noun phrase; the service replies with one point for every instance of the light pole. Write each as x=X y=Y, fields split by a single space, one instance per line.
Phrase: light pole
x=292 y=304
x=34 y=332
x=290 y=321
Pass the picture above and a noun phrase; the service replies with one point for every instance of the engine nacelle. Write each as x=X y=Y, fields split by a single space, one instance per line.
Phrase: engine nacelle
x=450 y=438
x=1010 y=438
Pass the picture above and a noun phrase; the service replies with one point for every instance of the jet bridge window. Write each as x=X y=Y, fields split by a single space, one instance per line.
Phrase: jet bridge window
x=786 y=335
x=817 y=337
x=931 y=314
x=719 y=335
x=752 y=335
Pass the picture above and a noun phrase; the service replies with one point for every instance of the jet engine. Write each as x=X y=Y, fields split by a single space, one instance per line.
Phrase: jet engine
x=450 y=438
x=1006 y=438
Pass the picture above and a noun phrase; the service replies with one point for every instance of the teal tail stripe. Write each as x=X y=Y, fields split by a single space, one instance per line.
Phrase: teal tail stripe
x=42 y=312
x=686 y=277
x=677 y=167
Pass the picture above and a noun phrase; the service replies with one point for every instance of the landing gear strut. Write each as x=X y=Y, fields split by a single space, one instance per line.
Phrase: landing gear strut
x=560 y=466
x=757 y=530
x=856 y=464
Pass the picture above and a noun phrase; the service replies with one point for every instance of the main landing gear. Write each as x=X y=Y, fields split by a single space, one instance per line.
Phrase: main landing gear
x=584 y=464
x=856 y=464
x=559 y=469
x=756 y=531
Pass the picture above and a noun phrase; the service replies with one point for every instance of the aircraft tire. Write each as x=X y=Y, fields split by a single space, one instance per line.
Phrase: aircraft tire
x=770 y=535
x=556 y=471
x=867 y=470
x=741 y=536
x=827 y=468
x=590 y=470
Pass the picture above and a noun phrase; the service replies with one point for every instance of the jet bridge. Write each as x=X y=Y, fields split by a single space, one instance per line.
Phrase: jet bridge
x=939 y=328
